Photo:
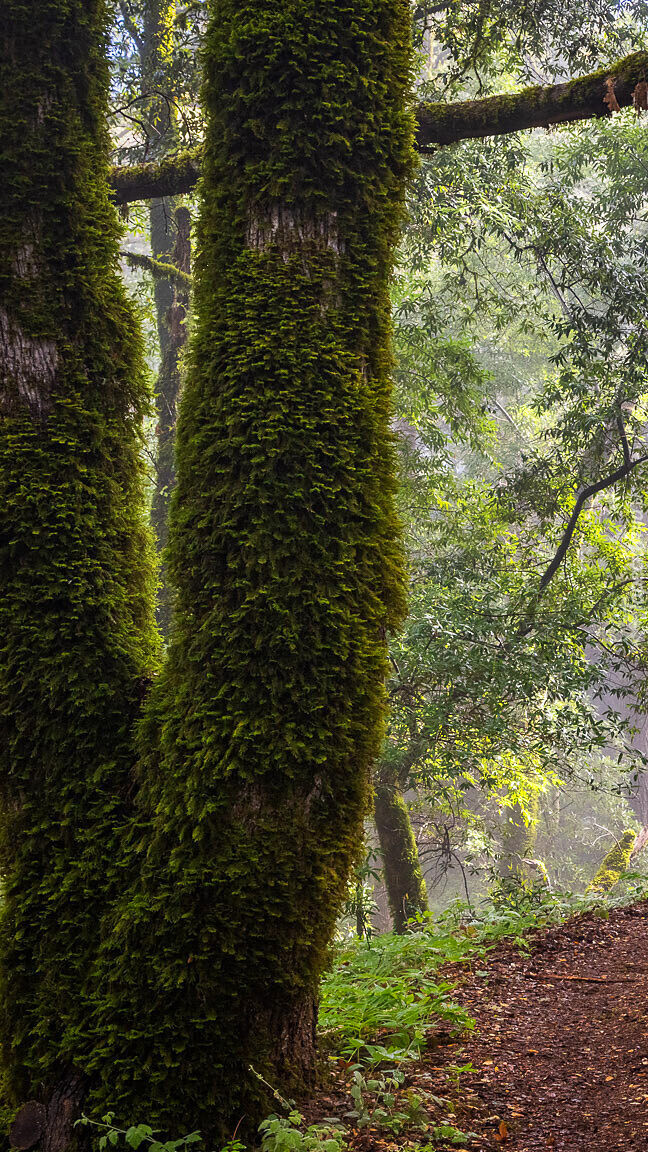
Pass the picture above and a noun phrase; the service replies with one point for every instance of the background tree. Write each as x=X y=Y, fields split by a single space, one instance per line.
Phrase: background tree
x=156 y=81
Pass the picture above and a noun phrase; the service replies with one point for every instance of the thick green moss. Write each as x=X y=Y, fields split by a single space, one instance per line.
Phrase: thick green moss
x=76 y=636
x=615 y=863
x=175 y=175
x=404 y=881
x=285 y=557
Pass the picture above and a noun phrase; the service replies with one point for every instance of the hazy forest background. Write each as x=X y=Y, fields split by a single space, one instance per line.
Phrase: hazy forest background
x=173 y=897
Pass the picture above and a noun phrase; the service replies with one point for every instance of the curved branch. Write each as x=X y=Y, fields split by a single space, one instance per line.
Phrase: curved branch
x=584 y=495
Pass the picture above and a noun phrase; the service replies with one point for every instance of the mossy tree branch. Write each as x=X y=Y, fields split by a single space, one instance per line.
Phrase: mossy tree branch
x=159 y=269
x=176 y=175
x=596 y=95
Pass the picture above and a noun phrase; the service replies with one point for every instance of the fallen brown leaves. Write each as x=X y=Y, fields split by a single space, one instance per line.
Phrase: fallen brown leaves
x=559 y=1059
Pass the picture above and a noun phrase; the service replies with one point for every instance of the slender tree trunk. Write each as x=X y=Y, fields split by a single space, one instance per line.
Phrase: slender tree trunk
x=76 y=625
x=519 y=834
x=167 y=394
x=285 y=561
x=403 y=877
x=169 y=231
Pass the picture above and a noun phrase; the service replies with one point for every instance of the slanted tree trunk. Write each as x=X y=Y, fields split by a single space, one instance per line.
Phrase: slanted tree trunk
x=614 y=864
x=76 y=624
x=404 y=881
x=285 y=562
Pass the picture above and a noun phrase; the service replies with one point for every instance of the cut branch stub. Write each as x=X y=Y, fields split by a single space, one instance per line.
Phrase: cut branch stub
x=28 y=1126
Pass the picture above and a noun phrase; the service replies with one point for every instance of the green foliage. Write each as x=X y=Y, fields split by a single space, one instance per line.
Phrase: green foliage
x=615 y=863
x=380 y=999
x=135 y=1136
x=285 y=557
x=446 y=1134
x=501 y=686
x=476 y=42
x=77 y=645
x=380 y=1104
x=284 y=1134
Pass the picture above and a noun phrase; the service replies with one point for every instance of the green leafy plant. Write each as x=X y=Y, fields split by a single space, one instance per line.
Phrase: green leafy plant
x=380 y=1103
x=142 y=1134
x=138 y=1134
x=448 y=1134
x=285 y=1134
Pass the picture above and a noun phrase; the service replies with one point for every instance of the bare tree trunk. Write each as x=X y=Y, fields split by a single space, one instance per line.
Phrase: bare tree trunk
x=167 y=396
x=519 y=833
x=170 y=239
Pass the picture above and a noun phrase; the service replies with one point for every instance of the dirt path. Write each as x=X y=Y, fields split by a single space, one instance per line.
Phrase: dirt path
x=561 y=1065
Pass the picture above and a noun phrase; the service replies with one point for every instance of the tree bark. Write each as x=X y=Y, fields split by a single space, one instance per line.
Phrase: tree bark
x=586 y=98
x=285 y=561
x=403 y=877
x=76 y=623
x=589 y=97
x=176 y=175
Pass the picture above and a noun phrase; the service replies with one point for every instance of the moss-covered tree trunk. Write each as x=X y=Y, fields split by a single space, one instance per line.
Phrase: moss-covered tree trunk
x=614 y=864
x=76 y=635
x=285 y=561
x=404 y=881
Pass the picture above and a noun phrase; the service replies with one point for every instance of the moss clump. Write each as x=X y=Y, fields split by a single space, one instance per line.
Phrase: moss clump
x=614 y=864
x=77 y=643
x=285 y=557
x=404 y=881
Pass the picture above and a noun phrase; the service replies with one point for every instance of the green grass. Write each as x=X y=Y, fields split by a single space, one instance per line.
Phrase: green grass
x=382 y=996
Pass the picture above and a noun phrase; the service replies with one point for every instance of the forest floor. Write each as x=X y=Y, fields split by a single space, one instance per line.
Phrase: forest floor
x=558 y=1060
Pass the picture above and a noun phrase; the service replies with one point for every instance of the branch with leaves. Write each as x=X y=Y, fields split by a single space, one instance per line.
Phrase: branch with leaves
x=582 y=498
